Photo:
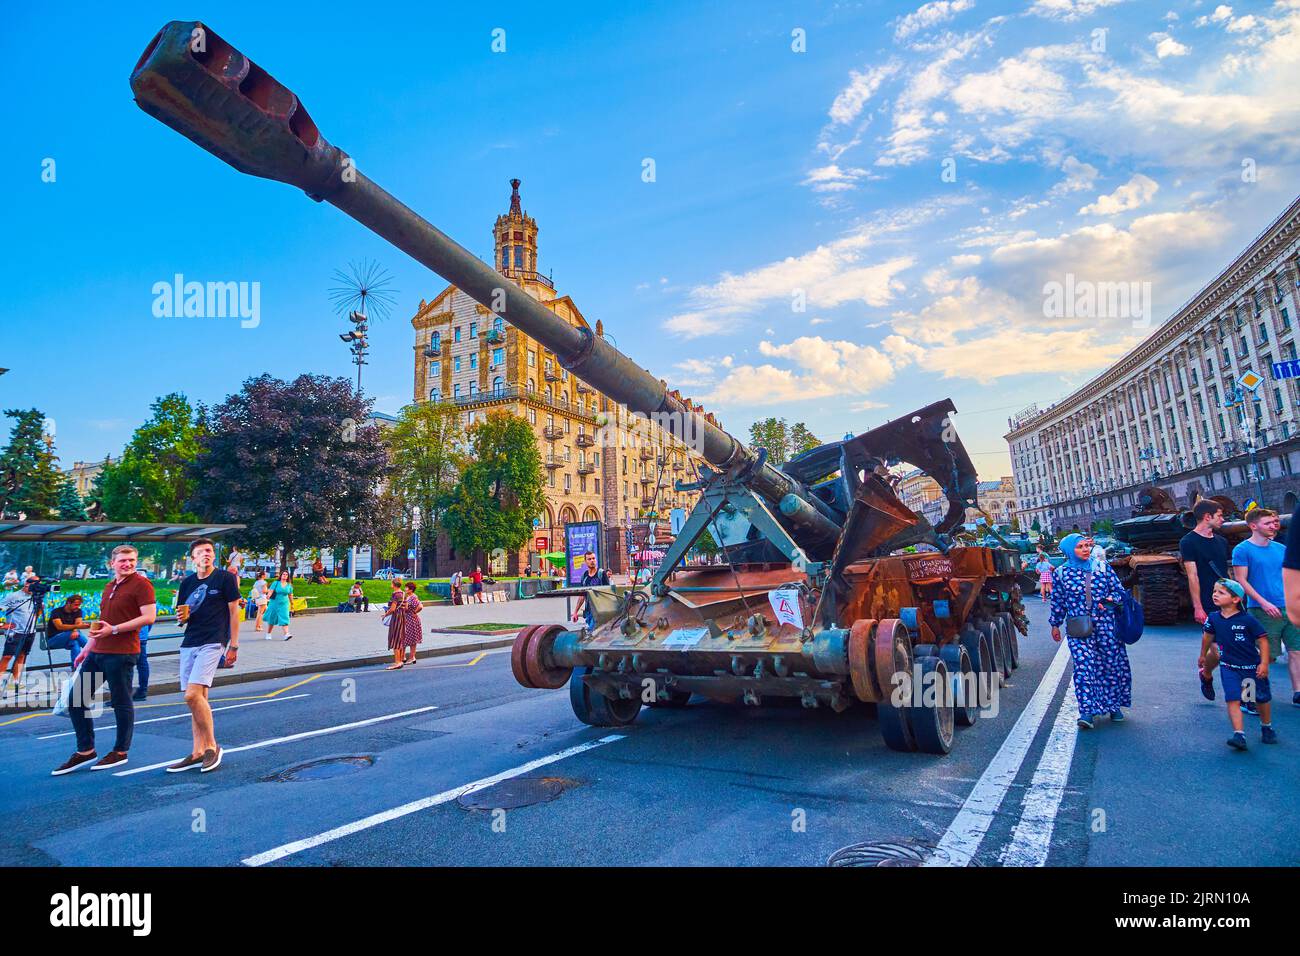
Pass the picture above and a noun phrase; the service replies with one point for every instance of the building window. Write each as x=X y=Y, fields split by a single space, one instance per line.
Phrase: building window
x=473 y=389
x=532 y=360
x=498 y=357
x=597 y=484
x=498 y=385
x=456 y=334
x=435 y=340
x=435 y=368
x=532 y=386
x=532 y=416
x=473 y=360
x=455 y=364
x=455 y=391
x=435 y=395
x=473 y=330
x=1263 y=334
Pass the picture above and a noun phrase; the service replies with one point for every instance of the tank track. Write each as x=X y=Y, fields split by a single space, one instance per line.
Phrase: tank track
x=1159 y=589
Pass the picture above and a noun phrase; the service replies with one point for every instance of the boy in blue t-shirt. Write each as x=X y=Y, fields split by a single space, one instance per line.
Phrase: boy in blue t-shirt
x=1237 y=644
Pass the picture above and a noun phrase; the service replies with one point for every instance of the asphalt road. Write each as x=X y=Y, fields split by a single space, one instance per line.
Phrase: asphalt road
x=708 y=785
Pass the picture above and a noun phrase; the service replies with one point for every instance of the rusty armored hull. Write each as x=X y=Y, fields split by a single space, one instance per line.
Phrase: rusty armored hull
x=834 y=592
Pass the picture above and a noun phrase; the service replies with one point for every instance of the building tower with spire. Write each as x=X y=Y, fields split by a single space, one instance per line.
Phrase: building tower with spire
x=478 y=361
x=515 y=240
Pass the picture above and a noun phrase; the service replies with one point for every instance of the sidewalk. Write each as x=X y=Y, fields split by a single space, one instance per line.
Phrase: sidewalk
x=323 y=642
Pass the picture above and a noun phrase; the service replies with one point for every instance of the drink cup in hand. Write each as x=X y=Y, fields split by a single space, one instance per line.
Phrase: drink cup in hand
x=183 y=612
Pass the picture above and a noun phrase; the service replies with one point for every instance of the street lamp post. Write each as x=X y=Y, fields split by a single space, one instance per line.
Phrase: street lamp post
x=357 y=342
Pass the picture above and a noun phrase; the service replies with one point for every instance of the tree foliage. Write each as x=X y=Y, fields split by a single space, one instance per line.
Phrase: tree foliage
x=29 y=473
x=782 y=440
x=153 y=481
x=288 y=460
x=500 y=488
x=70 y=507
x=427 y=447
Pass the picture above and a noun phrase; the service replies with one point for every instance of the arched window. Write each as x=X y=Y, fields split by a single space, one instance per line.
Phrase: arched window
x=498 y=324
x=498 y=386
x=532 y=386
x=435 y=395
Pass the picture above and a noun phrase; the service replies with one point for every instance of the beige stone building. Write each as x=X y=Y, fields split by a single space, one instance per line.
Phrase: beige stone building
x=601 y=463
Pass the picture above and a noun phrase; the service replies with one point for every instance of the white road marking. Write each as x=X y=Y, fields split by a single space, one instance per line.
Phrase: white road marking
x=1032 y=838
x=288 y=849
x=154 y=720
x=284 y=740
x=958 y=845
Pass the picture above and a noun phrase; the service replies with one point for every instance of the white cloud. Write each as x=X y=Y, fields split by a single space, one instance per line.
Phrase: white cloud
x=1137 y=192
x=851 y=100
x=1069 y=9
x=822 y=368
x=833 y=178
x=930 y=14
x=1006 y=352
x=1078 y=177
x=1167 y=46
x=1023 y=85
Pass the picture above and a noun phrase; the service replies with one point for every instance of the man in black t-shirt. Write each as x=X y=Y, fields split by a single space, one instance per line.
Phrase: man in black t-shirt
x=63 y=628
x=1206 y=556
x=592 y=576
x=207 y=606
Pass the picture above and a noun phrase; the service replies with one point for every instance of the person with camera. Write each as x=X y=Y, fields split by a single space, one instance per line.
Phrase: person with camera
x=64 y=629
x=19 y=609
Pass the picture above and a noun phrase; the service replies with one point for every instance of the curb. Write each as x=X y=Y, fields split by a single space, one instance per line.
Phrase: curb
x=174 y=686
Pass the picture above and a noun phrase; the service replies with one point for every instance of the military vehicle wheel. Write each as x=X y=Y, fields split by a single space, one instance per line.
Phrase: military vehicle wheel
x=614 y=713
x=517 y=651
x=981 y=659
x=1013 y=640
x=990 y=631
x=892 y=653
x=580 y=696
x=538 y=646
x=965 y=683
x=933 y=726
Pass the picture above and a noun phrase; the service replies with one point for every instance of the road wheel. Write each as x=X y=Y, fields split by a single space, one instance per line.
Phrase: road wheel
x=981 y=659
x=676 y=699
x=580 y=696
x=517 y=651
x=964 y=684
x=893 y=654
x=614 y=713
x=1013 y=641
x=933 y=725
x=537 y=650
x=993 y=634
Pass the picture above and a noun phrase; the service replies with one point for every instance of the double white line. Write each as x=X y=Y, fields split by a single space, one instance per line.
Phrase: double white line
x=1032 y=837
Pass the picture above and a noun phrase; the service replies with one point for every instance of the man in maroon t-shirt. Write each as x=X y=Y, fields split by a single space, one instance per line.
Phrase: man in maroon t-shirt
x=127 y=606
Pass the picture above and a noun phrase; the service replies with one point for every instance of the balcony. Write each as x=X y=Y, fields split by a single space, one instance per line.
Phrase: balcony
x=496 y=336
x=586 y=467
x=647 y=480
x=432 y=350
x=647 y=453
x=556 y=461
x=552 y=432
x=678 y=465
x=583 y=386
x=551 y=375
x=584 y=440
x=648 y=500
x=528 y=276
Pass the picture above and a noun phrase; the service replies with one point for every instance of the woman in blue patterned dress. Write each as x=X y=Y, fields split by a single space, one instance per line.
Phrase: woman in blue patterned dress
x=1103 y=682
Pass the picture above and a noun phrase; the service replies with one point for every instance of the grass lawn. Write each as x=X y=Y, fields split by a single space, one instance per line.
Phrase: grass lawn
x=486 y=626
x=321 y=595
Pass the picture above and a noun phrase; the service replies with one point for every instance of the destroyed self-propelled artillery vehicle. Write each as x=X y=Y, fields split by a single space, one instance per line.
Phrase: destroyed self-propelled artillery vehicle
x=833 y=592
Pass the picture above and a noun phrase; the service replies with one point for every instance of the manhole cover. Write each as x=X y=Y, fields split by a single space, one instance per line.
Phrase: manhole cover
x=517 y=792
x=889 y=853
x=324 y=769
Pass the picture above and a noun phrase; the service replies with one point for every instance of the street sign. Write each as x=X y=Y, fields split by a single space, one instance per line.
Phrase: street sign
x=676 y=518
x=537 y=522
x=539 y=543
x=1250 y=380
x=410 y=554
x=1290 y=369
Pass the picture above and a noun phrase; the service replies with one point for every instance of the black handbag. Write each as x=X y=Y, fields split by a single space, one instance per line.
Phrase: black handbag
x=1080 y=625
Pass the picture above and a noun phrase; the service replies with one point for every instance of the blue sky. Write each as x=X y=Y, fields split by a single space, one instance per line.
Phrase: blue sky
x=779 y=176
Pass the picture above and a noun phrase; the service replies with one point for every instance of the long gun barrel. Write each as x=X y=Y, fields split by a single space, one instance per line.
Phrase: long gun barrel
x=198 y=84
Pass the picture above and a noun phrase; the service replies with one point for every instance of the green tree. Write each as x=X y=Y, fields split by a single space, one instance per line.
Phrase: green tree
x=802 y=439
x=154 y=478
x=500 y=489
x=94 y=500
x=774 y=435
x=29 y=473
x=71 y=507
x=427 y=449
x=288 y=460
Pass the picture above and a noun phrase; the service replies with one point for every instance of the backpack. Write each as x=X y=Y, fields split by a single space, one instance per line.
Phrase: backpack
x=1129 y=619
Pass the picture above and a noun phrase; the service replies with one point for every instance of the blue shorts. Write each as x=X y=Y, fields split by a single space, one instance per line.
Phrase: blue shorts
x=1233 y=680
